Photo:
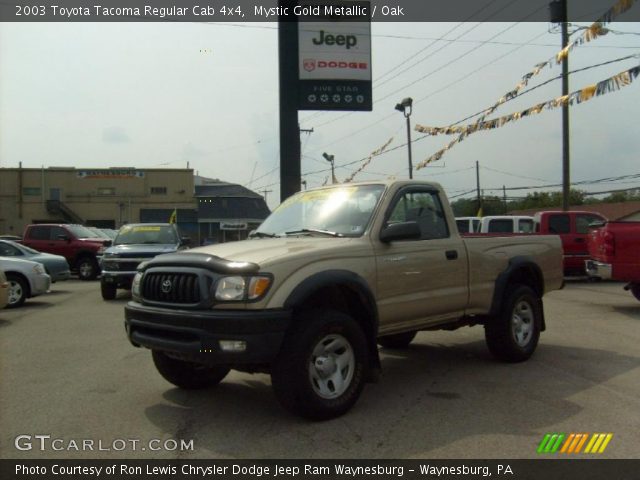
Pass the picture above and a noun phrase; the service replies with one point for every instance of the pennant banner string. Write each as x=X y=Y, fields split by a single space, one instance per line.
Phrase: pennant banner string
x=603 y=87
x=375 y=153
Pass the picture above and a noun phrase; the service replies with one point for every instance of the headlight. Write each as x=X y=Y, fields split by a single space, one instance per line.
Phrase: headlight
x=239 y=289
x=230 y=289
x=135 y=286
x=38 y=268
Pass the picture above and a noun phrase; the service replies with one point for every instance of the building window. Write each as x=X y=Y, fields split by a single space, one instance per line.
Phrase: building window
x=158 y=190
x=31 y=191
x=106 y=191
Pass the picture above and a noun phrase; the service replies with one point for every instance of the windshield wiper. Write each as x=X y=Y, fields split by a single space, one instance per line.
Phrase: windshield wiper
x=263 y=235
x=314 y=230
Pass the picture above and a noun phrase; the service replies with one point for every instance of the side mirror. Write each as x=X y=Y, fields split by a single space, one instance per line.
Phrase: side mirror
x=185 y=241
x=63 y=237
x=400 y=231
x=107 y=243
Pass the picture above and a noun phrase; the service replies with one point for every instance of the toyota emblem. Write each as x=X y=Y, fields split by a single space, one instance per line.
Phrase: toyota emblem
x=166 y=286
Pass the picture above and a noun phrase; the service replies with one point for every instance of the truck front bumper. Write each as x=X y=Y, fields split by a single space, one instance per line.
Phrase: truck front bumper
x=598 y=269
x=119 y=279
x=230 y=337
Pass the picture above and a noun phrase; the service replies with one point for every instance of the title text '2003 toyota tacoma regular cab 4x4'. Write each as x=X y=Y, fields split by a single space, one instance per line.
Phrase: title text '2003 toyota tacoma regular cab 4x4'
x=329 y=274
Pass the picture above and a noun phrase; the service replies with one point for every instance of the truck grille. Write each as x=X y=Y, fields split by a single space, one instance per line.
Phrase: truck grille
x=171 y=287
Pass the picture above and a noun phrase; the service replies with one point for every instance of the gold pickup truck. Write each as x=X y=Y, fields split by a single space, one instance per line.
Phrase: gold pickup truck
x=330 y=275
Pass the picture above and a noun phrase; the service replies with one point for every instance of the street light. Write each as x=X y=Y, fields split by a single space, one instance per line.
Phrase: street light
x=329 y=158
x=405 y=106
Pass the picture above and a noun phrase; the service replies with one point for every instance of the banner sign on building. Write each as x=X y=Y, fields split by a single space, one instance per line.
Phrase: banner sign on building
x=111 y=173
x=334 y=55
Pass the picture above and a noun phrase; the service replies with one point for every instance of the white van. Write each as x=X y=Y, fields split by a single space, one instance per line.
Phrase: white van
x=507 y=224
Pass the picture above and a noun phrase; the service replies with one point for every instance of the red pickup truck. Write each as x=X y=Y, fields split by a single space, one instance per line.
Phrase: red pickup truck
x=80 y=246
x=573 y=228
x=615 y=254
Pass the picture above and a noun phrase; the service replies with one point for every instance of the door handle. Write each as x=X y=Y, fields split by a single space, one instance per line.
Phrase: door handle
x=451 y=254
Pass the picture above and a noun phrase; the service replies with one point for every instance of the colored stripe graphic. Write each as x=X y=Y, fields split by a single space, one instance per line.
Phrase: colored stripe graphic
x=573 y=443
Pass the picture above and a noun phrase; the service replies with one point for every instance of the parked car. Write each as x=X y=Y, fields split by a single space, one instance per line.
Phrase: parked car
x=4 y=290
x=329 y=274
x=134 y=244
x=81 y=247
x=468 y=224
x=26 y=279
x=110 y=232
x=13 y=238
x=573 y=229
x=614 y=251
x=55 y=265
x=506 y=224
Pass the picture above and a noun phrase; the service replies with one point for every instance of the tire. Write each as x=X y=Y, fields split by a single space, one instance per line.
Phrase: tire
x=187 y=375
x=398 y=340
x=18 y=290
x=512 y=336
x=87 y=268
x=635 y=290
x=307 y=375
x=108 y=291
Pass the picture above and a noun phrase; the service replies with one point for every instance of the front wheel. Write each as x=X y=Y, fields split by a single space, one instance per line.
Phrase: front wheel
x=512 y=336
x=87 y=268
x=108 y=290
x=18 y=290
x=187 y=375
x=321 y=369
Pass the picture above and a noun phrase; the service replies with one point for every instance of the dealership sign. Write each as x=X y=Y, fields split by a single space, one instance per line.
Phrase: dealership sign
x=334 y=57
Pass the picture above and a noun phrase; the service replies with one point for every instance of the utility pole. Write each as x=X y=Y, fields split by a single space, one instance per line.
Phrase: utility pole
x=478 y=187
x=288 y=86
x=504 y=198
x=559 y=15
x=265 y=192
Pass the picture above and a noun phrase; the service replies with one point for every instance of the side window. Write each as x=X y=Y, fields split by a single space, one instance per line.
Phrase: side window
x=502 y=225
x=39 y=233
x=7 y=250
x=525 y=226
x=56 y=231
x=425 y=209
x=583 y=221
x=463 y=226
x=559 y=224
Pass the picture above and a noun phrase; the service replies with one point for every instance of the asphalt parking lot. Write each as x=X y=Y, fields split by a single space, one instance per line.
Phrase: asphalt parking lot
x=68 y=371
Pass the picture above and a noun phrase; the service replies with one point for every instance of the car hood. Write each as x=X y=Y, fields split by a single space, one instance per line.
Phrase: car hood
x=142 y=250
x=269 y=250
x=45 y=257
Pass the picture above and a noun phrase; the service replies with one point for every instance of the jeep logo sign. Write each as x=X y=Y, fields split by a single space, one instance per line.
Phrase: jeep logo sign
x=327 y=39
x=334 y=59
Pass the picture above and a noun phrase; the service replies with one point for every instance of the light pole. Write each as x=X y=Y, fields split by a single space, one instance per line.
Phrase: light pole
x=329 y=158
x=405 y=106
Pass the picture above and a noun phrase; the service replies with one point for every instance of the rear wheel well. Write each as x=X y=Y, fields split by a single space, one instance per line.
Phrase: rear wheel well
x=529 y=276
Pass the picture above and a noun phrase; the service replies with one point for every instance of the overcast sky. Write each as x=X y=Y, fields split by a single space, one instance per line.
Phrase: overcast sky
x=164 y=94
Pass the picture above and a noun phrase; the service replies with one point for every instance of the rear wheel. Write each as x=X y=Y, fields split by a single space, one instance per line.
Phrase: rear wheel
x=321 y=369
x=187 y=375
x=635 y=290
x=108 y=290
x=512 y=336
x=18 y=290
x=398 y=340
x=87 y=268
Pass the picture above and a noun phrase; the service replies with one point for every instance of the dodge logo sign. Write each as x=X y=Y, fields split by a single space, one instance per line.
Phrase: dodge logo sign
x=166 y=286
x=309 y=64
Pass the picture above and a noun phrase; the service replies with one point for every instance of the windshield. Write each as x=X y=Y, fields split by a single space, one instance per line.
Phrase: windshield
x=345 y=211
x=147 y=235
x=82 y=232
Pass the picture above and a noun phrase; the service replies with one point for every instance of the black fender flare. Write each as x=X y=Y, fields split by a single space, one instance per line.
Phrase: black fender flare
x=356 y=284
x=517 y=264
